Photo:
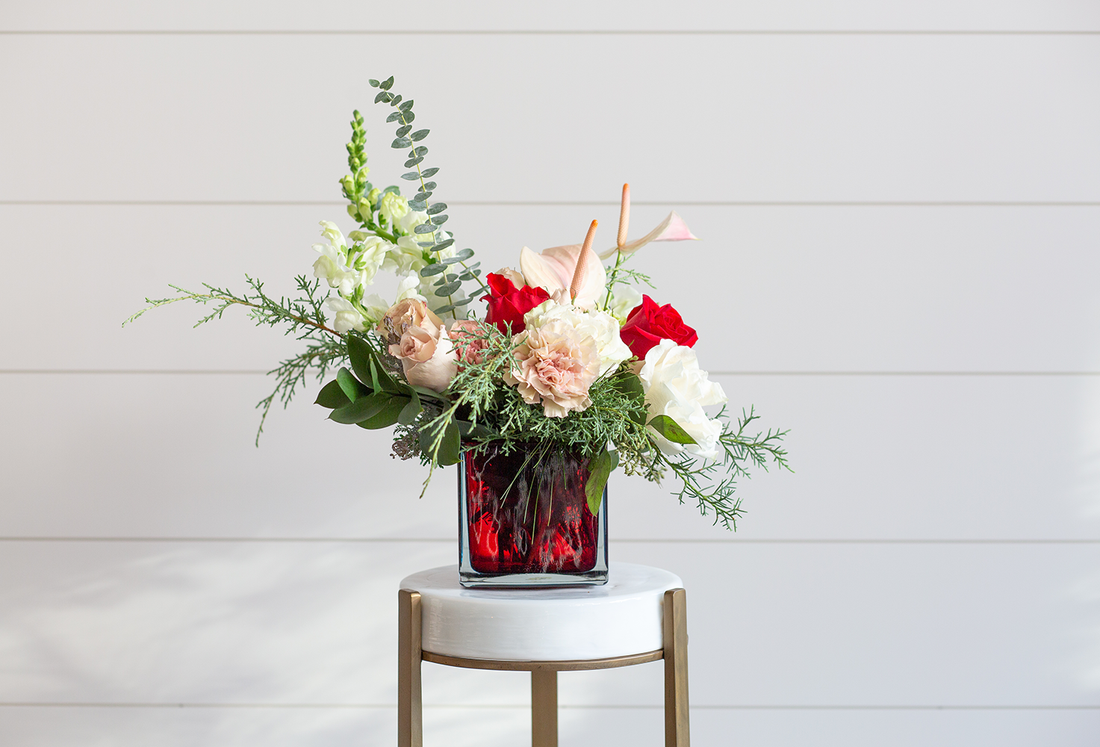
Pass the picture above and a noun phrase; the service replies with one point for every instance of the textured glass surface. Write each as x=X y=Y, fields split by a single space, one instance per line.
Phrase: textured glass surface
x=524 y=520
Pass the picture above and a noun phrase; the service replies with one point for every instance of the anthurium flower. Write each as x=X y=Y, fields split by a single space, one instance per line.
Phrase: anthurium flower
x=671 y=228
x=554 y=268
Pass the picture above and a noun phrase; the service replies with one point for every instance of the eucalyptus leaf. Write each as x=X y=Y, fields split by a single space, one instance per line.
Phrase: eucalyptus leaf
x=431 y=172
x=419 y=150
x=424 y=228
x=373 y=82
x=420 y=135
x=380 y=97
x=429 y=270
x=413 y=161
x=394 y=116
x=406 y=105
x=444 y=244
x=671 y=430
x=438 y=207
x=403 y=130
x=429 y=187
x=401 y=142
x=410 y=176
x=449 y=288
x=439 y=220
x=386 y=84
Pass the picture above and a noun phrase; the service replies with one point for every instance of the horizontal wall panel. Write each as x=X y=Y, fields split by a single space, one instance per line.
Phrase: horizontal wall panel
x=506 y=727
x=875 y=458
x=566 y=14
x=768 y=288
x=702 y=118
x=799 y=626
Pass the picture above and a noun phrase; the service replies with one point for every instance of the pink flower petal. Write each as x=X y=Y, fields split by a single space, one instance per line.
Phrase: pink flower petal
x=671 y=228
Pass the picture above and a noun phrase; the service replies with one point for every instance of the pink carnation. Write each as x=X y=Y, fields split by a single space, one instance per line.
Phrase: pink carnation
x=556 y=365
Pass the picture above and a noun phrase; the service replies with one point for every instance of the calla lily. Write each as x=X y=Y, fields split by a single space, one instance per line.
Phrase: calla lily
x=553 y=269
x=672 y=228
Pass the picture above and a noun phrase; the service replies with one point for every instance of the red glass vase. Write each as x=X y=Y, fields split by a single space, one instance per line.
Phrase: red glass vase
x=524 y=519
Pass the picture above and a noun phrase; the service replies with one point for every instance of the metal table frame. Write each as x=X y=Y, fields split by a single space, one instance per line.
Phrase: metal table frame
x=544 y=675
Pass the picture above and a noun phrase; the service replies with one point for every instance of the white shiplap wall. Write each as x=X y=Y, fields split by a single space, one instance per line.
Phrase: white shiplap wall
x=900 y=211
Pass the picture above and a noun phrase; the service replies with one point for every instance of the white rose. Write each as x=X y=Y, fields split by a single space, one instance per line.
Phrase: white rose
x=347 y=317
x=600 y=326
x=674 y=385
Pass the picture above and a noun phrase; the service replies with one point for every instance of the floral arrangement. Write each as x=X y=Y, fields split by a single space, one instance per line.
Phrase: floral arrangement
x=566 y=352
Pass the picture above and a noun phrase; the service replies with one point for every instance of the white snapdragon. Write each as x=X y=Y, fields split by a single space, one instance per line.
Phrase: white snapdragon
x=393 y=207
x=346 y=317
x=405 y=256
x=674 y=385
x=367 y=258
x=332 y=266
x=600 y=326
x=411 y=219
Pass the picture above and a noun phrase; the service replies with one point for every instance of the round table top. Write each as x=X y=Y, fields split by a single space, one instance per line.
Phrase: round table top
x=621 y=618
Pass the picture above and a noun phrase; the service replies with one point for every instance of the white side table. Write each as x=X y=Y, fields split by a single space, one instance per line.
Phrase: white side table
x=639 y=616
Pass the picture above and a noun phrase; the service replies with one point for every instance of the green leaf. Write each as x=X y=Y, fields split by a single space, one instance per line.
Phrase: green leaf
x=451 y=448
x=431 y=172
x=380 y=97
x=443 y=245
x=332 y=396
x=417 y=204
x=438 y=207
x=671 y=430
x=361 y=409
x=424 y=228
x=394 y=116
x=410 y=176
x=409 y=115
x=387 y=416
x=373 y=82
x=413 y=161
x=401 y=142
x=396 y=100
x=629 y=384
x=403 y=130
x=428 y=187
x=418 y=151
x=439 y=220
x=410 y=411
x=386 y=84
x=360 y=355
x=349 y=385
x=406 y=105
x=429 y=270
x=420 y=135
x=448 y=289
x=599 y=469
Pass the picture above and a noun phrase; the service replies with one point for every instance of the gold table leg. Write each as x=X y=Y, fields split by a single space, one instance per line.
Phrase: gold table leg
x=676 y=668
x=544 y=708
x=410 y=717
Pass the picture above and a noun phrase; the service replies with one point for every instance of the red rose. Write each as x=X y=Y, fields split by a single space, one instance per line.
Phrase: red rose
x=507 y=304
x=649 y=323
